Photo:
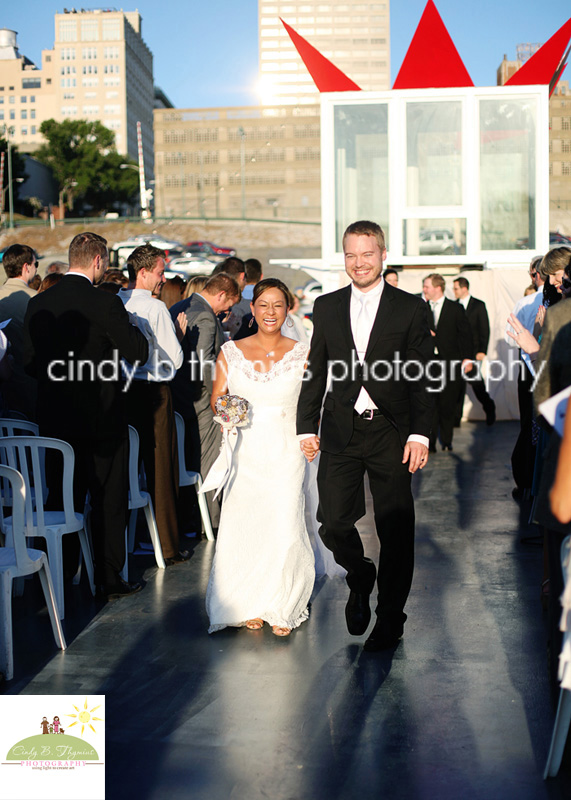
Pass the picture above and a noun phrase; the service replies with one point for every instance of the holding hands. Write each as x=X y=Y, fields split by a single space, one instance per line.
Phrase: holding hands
x=310 y=447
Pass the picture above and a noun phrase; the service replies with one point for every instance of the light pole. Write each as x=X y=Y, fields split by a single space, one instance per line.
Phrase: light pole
x=136 y=168
x=242 y=134
x=7 y=133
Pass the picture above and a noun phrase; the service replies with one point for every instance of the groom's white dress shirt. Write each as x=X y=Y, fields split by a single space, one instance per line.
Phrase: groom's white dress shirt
x=364 y=308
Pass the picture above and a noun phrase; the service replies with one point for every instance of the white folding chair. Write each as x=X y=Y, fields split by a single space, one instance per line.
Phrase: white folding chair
x=563 y=717
x=26 y=454
x=18 y=427
x=189 y=478
x=139 y=499
x=18 y=561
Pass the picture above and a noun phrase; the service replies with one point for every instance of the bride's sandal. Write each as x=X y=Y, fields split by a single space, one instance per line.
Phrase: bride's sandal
x=255 y=624
x=277 y=630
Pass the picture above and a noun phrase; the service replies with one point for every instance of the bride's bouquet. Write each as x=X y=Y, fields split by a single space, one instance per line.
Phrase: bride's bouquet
x=232 y=412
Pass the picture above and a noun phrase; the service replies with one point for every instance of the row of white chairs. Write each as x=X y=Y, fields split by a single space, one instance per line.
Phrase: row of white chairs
x=23 y=453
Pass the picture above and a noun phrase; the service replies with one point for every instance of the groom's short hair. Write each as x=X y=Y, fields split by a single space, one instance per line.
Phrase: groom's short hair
x=366 y=228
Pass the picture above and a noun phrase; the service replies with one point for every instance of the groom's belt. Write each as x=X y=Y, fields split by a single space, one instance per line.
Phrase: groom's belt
x=369 y=413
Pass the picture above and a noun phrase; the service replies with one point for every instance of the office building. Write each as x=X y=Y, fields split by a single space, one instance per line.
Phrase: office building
x=355 y=36
x=99 y=68
x=254 y=162
x=559 y=135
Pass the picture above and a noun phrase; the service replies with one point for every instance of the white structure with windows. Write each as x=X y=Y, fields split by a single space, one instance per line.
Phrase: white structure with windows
x=454 y=176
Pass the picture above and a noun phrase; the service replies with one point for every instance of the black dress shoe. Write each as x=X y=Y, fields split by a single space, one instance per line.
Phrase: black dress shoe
x=180 y=558
x=491 y=415
x=432 y=448
x=383 y=636
x=357 y=613
x=447 y=447
x=120 y=588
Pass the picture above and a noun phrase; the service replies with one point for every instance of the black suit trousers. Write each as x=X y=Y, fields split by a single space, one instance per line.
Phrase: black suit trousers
x=374 y=449
x=102 y=469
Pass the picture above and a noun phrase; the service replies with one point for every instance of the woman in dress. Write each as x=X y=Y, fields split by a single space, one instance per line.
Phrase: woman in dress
x=263 y=569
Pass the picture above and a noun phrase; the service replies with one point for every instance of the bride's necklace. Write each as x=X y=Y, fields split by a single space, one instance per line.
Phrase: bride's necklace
x=271 y=353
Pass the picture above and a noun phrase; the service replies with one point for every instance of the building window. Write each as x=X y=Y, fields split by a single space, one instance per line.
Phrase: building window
x=566 y=168
x=24 y=131
x=565 y=123
x=12 y=115
x=1 y=101
x=48 y=59
x=67 y=31
x=33 y=131
x=89 y=30
x=1 y=115
x=31 y=83
x=23 y=114
x=88 y=53
x=32 y=98
x=565 y=145
x=111 y=30
x=12 y=100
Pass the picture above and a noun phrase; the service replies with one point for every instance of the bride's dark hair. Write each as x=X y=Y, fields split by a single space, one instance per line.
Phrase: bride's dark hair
x=272 y=283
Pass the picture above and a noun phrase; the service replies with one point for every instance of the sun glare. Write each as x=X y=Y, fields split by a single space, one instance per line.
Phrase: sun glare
x=84 y=717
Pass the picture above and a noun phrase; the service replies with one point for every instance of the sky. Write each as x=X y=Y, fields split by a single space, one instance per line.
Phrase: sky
x=206 y=54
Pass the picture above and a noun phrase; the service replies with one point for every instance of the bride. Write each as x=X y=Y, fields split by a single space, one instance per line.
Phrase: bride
x=263 y=569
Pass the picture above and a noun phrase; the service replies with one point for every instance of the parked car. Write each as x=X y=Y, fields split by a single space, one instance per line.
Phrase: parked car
x=121 y=251
x=187 y=266
x=209 y=248
x=556 y=239
x=437 y=242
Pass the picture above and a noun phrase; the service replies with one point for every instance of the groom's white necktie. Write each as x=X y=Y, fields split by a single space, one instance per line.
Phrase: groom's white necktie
x=361 y=335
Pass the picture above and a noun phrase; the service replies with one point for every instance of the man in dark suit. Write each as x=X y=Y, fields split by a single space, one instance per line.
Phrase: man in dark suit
x=454 y=351
x=75 y=337
x=480 y=326
x=376 y=419
x=192 y=385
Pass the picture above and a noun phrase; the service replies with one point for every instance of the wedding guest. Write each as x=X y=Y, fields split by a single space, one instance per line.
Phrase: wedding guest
x=149 y=398
x=391 y=276
x=241 y=313
x=50 y=280
x=523 y=455
x=454 y=350
x=560 y=494
x=20 y=265
x=195 y=284
x=172 y=291
x=57 y=267
x=479 y=322
x=192 y=385
x=69 y=324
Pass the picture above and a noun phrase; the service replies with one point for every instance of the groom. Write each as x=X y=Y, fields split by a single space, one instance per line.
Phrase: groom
x=376 y=419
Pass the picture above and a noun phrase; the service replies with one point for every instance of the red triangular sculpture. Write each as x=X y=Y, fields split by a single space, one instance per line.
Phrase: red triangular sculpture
x=432 y=61
x=543 y=65
x=327 y=77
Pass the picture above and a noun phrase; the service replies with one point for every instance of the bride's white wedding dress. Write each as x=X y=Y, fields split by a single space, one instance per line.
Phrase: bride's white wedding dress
x=264 y=563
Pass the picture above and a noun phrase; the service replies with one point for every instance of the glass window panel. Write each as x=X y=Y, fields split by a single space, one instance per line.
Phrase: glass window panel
x=507 y=173
x=361 y=166
x=434 y=237
x=434 y=153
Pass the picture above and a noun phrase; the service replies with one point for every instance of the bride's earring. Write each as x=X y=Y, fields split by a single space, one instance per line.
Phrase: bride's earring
x=251 y=322
x=289 y=321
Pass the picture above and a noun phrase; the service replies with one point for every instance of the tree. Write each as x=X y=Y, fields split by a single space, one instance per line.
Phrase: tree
x=85 y=164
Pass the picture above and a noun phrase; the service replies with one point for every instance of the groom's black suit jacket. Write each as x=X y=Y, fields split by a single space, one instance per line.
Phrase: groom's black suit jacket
x=400 y=331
